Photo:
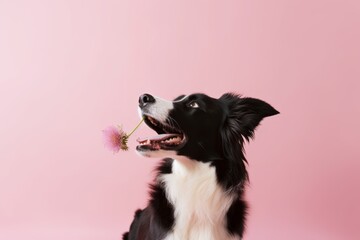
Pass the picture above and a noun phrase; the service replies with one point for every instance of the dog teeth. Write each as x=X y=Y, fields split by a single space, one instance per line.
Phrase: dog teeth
x=175 y=140
x=172 y=140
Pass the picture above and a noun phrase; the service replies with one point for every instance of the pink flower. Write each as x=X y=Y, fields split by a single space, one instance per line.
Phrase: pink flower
x=115 y=139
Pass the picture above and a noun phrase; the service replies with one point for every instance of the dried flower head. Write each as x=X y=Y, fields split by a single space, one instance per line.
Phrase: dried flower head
x=116 y=139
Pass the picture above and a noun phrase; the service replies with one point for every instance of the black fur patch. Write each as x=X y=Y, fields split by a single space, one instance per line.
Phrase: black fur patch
x=125 y=236
x=236 y=217
x=157 y=219
x=165 y=166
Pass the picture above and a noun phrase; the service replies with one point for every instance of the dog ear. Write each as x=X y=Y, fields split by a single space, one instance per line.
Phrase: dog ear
x=245 y=114
x=242 y=116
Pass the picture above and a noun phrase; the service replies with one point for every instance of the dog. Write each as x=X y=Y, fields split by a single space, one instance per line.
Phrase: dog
x=198 y=191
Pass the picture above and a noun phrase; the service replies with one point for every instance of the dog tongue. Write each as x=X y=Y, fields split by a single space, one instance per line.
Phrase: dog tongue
x=159 y=137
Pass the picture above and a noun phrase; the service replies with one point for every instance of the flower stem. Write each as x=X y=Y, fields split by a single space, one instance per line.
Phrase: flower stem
x=137 y=126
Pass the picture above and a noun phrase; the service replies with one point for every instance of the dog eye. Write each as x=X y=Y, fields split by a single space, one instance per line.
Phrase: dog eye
x=193 y=104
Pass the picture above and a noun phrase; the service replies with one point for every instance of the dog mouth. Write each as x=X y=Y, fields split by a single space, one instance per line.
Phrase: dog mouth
x=168 y=138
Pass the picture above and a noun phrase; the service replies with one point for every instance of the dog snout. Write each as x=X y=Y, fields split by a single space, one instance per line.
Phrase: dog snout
x=146 y=99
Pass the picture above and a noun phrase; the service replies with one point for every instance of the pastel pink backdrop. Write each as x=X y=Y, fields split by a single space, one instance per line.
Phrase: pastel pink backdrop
x=68 y=69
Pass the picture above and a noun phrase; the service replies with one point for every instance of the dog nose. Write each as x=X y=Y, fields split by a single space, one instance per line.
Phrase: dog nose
x=146 y=99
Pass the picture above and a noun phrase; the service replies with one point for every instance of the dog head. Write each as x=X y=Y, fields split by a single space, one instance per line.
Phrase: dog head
x=199 y=127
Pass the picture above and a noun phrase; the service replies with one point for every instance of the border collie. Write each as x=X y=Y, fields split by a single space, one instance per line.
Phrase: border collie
x=198 y=192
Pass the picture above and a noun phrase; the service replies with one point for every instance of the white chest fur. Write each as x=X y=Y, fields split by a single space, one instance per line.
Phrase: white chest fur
x=200 y=203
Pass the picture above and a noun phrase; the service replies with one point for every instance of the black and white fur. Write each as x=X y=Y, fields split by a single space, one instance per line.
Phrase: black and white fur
x=198 y=190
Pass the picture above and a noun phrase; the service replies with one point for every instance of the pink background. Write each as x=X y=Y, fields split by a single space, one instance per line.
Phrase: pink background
x=70 y=68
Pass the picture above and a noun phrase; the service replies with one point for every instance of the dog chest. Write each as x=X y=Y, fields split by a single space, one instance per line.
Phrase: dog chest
x=200 y=204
